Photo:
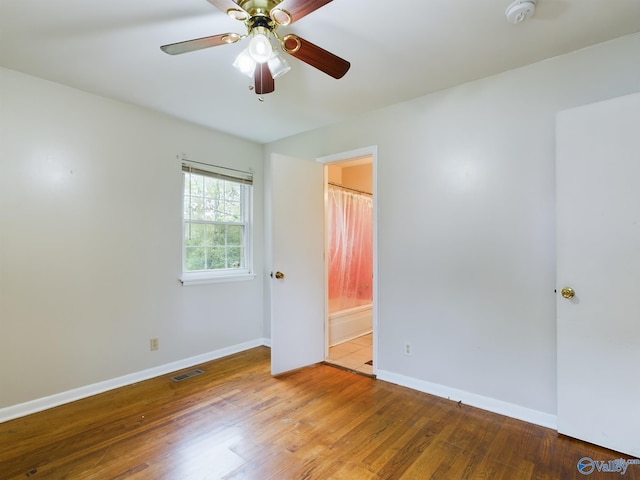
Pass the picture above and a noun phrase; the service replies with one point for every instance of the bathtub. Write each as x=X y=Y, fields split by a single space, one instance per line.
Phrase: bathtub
x=348 y=324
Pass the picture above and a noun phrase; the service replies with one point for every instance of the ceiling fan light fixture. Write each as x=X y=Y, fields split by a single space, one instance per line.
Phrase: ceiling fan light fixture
x=260 y=47
x=260 y=61
x=245 y=63
x=278 y=65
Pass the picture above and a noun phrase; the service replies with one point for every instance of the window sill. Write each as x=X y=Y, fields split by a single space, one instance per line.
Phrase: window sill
x=204 y=279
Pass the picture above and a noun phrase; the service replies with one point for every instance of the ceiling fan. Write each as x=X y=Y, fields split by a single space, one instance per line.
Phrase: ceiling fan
x=260 y=60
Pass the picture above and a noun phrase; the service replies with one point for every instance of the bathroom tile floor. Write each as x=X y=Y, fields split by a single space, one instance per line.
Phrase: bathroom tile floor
x=353 y=354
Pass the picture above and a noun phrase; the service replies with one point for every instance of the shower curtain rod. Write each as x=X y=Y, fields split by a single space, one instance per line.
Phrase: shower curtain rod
x=349 y=188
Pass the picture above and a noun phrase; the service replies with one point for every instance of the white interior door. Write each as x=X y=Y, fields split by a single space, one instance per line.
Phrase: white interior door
x=598 y=256
x=297 y=251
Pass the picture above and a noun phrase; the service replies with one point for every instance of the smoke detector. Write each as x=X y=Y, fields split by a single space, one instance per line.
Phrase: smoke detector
x=520 y=11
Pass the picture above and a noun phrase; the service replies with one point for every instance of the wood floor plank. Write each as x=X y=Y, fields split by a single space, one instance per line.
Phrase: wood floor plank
x=408 y=442
x=236 y=421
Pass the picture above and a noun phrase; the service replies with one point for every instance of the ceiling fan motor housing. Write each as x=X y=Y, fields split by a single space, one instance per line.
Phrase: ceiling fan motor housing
x=261 y=21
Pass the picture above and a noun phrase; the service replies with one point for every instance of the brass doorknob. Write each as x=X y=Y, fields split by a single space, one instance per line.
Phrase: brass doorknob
x=279 y=275
x=567 y=292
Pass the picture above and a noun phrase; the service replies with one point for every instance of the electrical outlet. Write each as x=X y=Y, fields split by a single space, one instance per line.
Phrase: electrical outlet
x=153 y=344
x=407 y=348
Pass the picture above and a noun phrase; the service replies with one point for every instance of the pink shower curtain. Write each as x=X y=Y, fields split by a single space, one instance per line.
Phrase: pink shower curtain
x=350 y=220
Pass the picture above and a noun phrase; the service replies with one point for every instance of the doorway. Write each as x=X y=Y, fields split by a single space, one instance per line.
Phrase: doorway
x=349 y=263
x=295 y=246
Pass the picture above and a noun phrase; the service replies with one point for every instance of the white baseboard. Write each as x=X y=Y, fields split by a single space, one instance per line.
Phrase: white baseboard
x=44 y=403
x=479 y=401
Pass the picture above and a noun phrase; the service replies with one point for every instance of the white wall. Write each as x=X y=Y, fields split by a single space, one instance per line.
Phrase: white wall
x=466 y=222
x=90 y=231
x=90 y=252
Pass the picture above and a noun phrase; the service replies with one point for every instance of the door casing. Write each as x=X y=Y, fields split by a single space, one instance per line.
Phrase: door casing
x=371 y=152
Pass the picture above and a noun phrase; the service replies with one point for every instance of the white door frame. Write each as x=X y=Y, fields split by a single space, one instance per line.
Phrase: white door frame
x=371 y=151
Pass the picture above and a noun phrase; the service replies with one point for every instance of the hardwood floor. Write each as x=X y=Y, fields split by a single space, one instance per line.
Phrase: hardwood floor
x=235 y=421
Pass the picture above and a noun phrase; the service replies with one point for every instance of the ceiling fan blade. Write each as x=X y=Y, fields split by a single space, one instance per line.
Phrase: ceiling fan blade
x=263 y=79
x=296 y=9
x=200 y=43
x=237 y=11
x=315 y=56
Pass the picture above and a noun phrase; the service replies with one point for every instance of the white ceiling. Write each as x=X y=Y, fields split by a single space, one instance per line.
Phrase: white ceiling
x=398 y=49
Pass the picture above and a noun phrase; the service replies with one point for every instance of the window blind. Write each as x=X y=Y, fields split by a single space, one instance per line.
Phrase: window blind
x=221 y=173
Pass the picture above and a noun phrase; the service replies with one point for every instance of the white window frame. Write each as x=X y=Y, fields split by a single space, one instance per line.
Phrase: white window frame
x=221 y=275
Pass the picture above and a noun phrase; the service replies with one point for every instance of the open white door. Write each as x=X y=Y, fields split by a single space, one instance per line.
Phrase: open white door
x=598 y=257
x=296 y=191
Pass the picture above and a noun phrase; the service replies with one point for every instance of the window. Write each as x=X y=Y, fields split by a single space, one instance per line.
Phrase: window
x=216 y=224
